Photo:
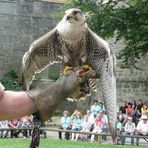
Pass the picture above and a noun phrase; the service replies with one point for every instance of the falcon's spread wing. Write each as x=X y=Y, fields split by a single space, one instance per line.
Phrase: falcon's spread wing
x=43 y=52
x=102 y=60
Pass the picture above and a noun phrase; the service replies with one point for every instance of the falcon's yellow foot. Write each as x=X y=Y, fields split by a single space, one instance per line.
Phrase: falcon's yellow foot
x=66 y=69
x=87 y=67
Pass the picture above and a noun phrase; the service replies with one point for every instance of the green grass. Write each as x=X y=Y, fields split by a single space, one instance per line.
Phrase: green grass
x=46 y=143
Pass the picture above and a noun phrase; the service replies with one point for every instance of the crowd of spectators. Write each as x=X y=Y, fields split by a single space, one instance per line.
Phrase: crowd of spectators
x=25 y=122
x=132 y=119
x=95 y=120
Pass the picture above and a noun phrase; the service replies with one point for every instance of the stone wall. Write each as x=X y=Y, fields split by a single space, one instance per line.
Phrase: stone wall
x=23 y=21
x=132 y=84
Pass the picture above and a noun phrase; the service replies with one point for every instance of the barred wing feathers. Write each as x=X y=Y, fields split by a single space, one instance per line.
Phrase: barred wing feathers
x=102 y=60
x=43 y=52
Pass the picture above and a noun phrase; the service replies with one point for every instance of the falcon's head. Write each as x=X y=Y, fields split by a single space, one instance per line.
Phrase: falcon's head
x=72 y=26
x=74 y=15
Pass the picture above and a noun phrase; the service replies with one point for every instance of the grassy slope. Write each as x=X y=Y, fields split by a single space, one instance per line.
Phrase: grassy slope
x=45 y=143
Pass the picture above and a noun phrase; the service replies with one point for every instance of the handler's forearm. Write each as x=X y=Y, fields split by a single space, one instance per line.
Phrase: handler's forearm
x=43 y=98
x=15 y=105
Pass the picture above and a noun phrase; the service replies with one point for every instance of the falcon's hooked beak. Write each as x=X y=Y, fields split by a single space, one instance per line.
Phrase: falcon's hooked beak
x=74 y=15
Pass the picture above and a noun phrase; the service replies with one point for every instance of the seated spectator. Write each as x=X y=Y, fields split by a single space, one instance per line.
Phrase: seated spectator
x=139 y=106
x=134 y=115
x=4 y=124
x=129 y=130
x=134 y=104
x=144 y=109
x=120 y=116
x=119 y=126
x=100 y=107
x=105 y=123
x=142 y=128
x=91 y=117
x=86 y=127
x=30 y=124
x=65 y=124
x=94 y=108
x=129 y=112
x=122 y=109
x=15 y=123
x=119 y=131
x=97 y=127
x=73 y=116
x=76 y=126
x=27 y=122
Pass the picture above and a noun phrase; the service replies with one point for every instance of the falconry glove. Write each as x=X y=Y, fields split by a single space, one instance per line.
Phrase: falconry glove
x=48 y=95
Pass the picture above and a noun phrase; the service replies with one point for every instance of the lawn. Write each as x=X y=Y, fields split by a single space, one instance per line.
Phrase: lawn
x=46 y=143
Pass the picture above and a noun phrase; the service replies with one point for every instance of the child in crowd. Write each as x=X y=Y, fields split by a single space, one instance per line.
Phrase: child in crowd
x=77 y=125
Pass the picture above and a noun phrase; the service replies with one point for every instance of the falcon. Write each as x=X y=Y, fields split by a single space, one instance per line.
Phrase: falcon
x=74 y=44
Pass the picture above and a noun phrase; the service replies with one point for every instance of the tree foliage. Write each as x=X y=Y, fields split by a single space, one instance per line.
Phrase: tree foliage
x=123 y=19
x=11 y=80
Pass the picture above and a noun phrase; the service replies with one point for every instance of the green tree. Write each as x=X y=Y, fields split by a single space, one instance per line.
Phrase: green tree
x=123 y=19
x=11 y=80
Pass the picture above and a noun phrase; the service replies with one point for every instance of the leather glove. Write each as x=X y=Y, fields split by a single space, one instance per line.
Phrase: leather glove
x=48 y=95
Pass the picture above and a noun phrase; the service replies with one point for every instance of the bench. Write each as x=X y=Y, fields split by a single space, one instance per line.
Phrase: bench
x=99 y=135
x=20 y=130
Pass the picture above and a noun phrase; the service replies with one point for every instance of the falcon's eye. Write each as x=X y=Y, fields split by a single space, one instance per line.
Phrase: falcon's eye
x=76 y=12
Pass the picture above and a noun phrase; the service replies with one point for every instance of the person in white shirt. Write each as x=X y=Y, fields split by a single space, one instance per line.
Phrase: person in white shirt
x=142 y=128
x=91 y=118
x=129 y=130
x=4 y=124
x=86 y=126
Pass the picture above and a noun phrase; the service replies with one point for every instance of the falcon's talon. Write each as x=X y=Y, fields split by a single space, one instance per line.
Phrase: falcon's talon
x=66 y=69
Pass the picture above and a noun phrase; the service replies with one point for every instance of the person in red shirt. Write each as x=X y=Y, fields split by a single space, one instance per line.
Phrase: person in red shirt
x=15 y=123
x=97 y=126
x=129 y=112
